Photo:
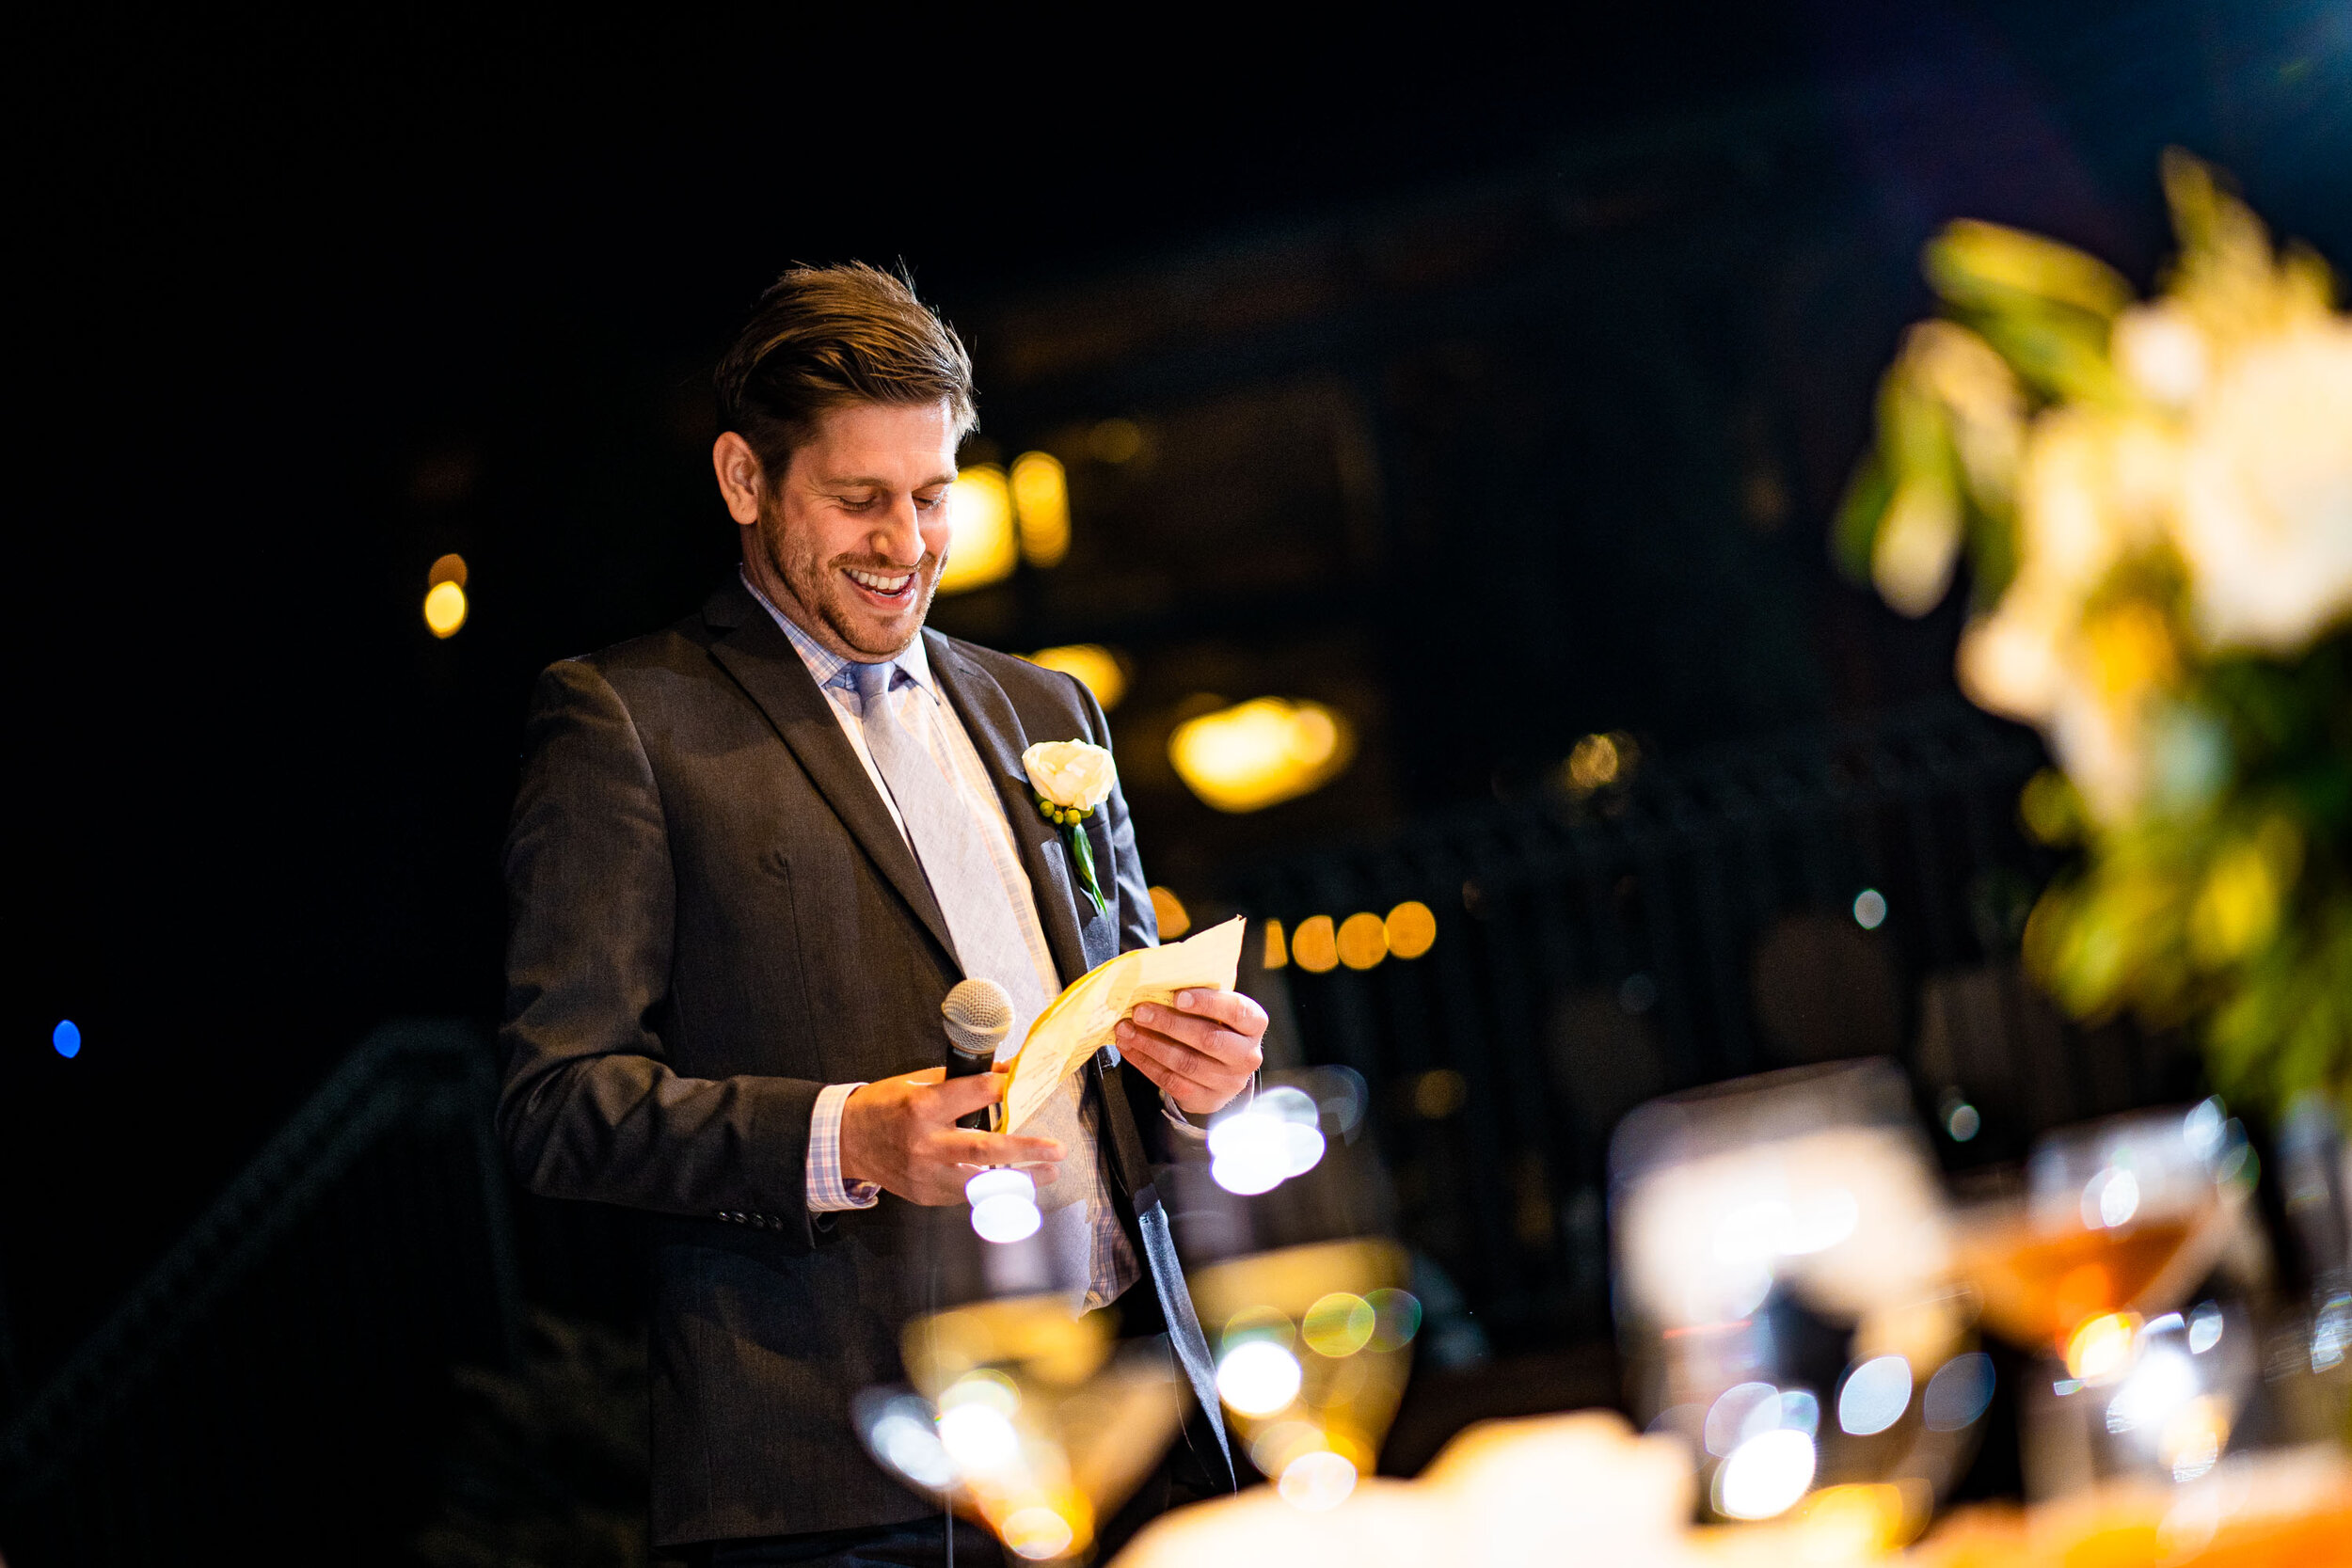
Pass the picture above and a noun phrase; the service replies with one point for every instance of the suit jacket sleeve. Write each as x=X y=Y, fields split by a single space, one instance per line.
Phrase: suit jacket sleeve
x=590 y=1107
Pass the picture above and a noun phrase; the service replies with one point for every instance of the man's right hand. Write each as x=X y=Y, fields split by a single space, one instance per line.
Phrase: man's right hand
x=900 y=1134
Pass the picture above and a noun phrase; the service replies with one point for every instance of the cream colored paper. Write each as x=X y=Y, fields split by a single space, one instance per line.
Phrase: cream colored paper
x=1078 y=1023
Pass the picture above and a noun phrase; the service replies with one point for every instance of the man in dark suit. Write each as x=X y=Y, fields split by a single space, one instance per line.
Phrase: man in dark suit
x=751 y=854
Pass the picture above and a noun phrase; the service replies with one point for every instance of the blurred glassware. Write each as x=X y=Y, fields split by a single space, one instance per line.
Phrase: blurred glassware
x=1282 y=1218
x=1022 y=1418
x=1312 y=1359
x=1784 y=1295
x=2119 y=1220
x=2315 y=1174
x=2157 y=1401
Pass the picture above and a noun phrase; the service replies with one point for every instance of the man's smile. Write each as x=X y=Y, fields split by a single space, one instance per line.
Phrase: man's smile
x=888 y=589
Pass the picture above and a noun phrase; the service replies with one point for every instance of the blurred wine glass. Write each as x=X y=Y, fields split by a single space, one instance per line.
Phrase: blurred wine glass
x=1783 y=1294
x=1302 y=1296
x=2120 y=1216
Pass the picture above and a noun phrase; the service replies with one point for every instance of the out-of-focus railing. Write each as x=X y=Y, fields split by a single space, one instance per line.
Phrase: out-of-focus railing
x=265 y=1390
x=1852 y=891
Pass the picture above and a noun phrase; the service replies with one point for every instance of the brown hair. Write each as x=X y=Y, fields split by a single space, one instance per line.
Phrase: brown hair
x=822 y=337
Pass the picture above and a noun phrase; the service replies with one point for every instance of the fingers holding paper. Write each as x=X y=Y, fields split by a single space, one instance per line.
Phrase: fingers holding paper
x=1201 y=1052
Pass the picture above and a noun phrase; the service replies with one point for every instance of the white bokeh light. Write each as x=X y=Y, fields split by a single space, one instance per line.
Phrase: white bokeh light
x=1258 y=1377
x=1004 y=1205
x=1766 y=1475
x=1875 y=1396
x=1316 y=1481
x=979 y=1439
x=1256 y=1147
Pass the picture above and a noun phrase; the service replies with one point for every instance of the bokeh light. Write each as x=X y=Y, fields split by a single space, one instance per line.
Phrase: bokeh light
x=1278 y=953
x=1258 y=1377
x=67 y=1038
x=1362 y=941
x=1004 y=1205
x=1093 y=666
x=1411 y=929
x=1869 y=908
x=2101 y=1348
x=1597 y=761
x=1115 y=441
x=907 y=1435
x=1875 y=1396
x=1040 y=505
x=450 y=568
x=1036 y=1532
x=1315 y=946
x=1261 y=753
x=1439 y=1093
x=983 y=549
x=1395 y=1318
x=1257 y=1146
x=2110 y=1198
x=1338 y=1325
x=444 y=608
x=1316 y=1481
x=1766 y=1475
x=976 y=1427
x=1169 y=910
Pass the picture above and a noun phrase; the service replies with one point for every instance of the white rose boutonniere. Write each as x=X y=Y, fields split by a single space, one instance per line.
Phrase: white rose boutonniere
x=1072 y=778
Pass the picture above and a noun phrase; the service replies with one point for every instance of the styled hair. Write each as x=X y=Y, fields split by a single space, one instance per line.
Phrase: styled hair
x=823 y=337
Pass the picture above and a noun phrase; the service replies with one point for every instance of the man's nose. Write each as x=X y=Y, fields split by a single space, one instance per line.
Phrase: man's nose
x=897 y=538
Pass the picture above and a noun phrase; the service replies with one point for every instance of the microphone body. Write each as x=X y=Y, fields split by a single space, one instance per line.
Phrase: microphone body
x=976 y=1015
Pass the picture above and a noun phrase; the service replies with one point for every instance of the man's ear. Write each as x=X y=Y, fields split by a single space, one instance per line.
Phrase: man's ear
x=739 y=476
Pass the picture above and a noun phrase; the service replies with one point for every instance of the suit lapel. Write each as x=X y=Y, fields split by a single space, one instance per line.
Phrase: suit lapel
x=762 y=661
x=997 y=733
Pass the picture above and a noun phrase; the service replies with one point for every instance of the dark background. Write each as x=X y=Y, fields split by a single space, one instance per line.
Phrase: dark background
x=1540 y=350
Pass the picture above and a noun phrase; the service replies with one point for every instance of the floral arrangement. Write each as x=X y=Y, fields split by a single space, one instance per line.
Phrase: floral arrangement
x=2154 y=501
x=1068 y=779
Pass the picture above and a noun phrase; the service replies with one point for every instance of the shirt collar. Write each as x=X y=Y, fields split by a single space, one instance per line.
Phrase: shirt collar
x=827 y=668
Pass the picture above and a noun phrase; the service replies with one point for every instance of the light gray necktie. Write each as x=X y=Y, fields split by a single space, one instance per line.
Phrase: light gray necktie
x=987 y=933
x=980 y=917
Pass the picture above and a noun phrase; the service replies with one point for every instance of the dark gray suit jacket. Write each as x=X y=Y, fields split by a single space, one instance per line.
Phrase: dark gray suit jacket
x=713 y=917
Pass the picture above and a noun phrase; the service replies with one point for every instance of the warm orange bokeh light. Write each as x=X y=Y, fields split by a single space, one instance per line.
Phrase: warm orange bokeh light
x=445 y=608
x=1315 y=946
x=1171 y=912
x=1362 y=941
x=1411 y=928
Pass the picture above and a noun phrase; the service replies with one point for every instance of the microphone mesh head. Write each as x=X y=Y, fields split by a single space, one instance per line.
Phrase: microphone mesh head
x=978 y=1014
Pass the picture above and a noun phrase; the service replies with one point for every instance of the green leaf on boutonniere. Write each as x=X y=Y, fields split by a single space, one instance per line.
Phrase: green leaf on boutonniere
x=1073 y=825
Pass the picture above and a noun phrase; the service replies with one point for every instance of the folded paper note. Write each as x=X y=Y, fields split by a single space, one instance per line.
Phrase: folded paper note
x=1078 y=1023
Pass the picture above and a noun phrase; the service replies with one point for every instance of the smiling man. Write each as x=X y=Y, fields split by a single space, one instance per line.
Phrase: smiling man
x=750 y=856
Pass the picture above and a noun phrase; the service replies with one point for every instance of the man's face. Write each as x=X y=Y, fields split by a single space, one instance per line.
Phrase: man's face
x=856 y=530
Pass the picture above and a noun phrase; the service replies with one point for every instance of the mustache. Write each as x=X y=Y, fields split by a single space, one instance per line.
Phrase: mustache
x=868 y=563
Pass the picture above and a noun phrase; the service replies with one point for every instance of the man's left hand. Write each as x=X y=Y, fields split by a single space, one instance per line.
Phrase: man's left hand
x=1202 y=1052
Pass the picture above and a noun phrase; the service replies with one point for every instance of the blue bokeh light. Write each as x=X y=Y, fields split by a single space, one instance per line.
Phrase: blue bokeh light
x=67 y=1037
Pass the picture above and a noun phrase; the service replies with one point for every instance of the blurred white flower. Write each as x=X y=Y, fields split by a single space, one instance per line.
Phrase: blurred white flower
x=1070 y=773
x=2161 y=352
x=2011 y=660
x=2264 y=521
x=2092 y=487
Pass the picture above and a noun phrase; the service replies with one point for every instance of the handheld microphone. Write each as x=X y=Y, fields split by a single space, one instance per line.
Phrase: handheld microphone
x=976 y=1015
